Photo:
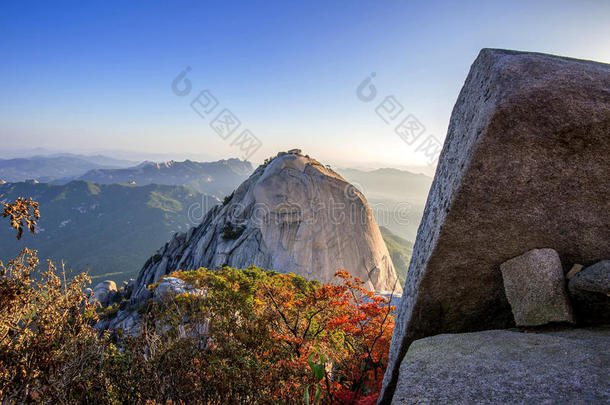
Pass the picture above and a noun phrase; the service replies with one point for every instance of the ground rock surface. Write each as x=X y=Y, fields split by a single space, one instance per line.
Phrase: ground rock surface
x=524 y=166
x=504 y=367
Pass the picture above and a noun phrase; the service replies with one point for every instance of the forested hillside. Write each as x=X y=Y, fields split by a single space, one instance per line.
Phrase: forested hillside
x=112 y=228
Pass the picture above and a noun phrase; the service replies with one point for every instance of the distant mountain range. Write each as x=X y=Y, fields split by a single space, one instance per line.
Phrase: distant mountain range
x=112 y=229
x=219 y=178
x=59 y=166
x=133 y=156
x=397 y=197
x=390 y=184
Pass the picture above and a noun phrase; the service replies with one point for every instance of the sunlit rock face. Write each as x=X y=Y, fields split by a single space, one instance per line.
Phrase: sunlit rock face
x=524 y=166
x=292 y=215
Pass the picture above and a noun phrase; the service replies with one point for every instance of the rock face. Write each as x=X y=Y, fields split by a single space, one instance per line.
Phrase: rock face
x=590 y=290
x=502 y=367
x=171 y=286
x=524 y=165
x=292 y=215
x=127 y=320
x=104 y=292
x=535 y=288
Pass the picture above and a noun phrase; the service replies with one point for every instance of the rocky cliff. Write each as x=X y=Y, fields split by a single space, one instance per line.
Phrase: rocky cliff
x=292 y=215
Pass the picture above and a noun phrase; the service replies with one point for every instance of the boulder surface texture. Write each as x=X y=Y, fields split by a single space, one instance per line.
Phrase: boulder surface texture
x=536 y=289
x=524 y=166
x=503 y=367
x=293 y=215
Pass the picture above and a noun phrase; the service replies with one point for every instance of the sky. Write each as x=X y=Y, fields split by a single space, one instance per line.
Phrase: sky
x=97 y=76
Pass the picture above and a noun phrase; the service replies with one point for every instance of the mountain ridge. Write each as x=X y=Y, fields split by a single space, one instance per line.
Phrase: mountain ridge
x=218 y=177
x=50 y=168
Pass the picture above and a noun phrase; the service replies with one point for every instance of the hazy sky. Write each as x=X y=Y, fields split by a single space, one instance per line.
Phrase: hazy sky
x=83 y=76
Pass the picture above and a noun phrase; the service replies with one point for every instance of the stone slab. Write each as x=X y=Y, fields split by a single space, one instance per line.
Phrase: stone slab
x=504 y=367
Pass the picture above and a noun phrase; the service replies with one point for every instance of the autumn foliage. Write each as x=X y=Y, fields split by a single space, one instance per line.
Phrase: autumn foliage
x=22 y=214
x=248 y=336
x=48 y=350
x=276 y=338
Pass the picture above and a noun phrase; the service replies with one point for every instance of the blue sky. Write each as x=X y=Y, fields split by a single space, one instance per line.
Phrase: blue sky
x=88 y=76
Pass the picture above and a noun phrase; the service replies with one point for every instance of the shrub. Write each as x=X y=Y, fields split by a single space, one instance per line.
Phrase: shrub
x=109 y=312
x=227 y=199
x=264 y=334
x=255 y=336
x=231 y=233
x=22 y=213
x=48 y=350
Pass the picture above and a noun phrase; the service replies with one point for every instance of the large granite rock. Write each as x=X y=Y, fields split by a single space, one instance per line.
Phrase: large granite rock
x=524 y=165
x=502 y=367
x=292 y=215
x=535 y=288
x=590 y=291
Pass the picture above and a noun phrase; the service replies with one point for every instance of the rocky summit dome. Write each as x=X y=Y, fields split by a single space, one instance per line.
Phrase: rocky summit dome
x=292 y=215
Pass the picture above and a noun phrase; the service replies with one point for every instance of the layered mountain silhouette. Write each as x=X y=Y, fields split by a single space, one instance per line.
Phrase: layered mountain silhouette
x=55 y=167
x=218 y=178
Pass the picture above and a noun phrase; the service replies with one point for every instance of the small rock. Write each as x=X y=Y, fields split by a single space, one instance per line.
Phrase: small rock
x=104 y=292
x=574 y=271
x=590 y=291
x=595 y=278
x=535 y=288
